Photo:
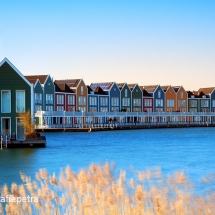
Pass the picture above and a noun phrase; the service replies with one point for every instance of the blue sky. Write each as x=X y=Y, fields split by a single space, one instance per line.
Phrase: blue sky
x=145 y=42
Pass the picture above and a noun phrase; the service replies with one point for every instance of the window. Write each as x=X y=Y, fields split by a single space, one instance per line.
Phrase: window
x=81 y=108
x=159 y=102
x=204 y=103
x=93 y=109
x=192 y=103
x=170 y=103
x=60 y=108
x=159 y=94
x=82 y=100
x=136 y=102
x=20 y=101
x=125 y=101
x=82 y=90
x=181 y=103
x=115 y=101
x=38 y=98
x=93 y=100
x=71 y=108
x=103 y=109
x=128 y=109
x=115 y=109
x=126 y=92
x=213 y=103
x=38 y=108
x=103 y=101
x=60 y=99
x=5 y=101
x=147 y=102
x=49 y=98
x=71 y=100
x=182 y=95
x=49 y=108
x=136 y=109
x=193 y=109
x=148 y=109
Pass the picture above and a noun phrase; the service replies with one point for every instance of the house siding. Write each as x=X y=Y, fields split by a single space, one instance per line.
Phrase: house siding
x=38 y=89
x=170 y=95
x=181 y=99
x=114 y=93
x=10 y=80
x=150 y=105
x=81 y=105
x=156 y=96
x=48 y=88
x=136 y=94
x=128 y=108
x=93 y=107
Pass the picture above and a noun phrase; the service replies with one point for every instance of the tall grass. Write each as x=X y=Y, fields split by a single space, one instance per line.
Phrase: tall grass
x=97 y=191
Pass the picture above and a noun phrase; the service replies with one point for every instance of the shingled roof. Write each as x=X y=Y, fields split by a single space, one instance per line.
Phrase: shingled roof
x=120 y=85
x=207 y=90
x=33 y=78
x=150 y=88
x=104 y=85
x=131 y=86
x=176 y=88
x=99 y=90
x=165 y=88
x=66 y=85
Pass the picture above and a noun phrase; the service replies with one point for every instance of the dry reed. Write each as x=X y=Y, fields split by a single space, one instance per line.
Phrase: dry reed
x=96 y=191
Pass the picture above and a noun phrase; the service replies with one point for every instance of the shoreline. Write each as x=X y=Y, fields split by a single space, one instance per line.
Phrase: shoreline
x=118 y=127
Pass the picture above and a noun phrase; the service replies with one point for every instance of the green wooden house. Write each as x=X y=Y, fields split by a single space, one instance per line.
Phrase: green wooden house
x=16 y=97
x=125 y=98
x=136 y=97
x=44 y=92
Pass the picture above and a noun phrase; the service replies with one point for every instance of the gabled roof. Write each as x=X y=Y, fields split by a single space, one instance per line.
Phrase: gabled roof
x=120 y=85
x=99 y=90
x=190 y=93
x=89 y=90
x=5 y=60
x=151 y=88
x=131 y=86
x=62 y=87
x=33 y=78
x=69 y=85
x=145 y=93
x=196 y=94
x=104 y=85
x=69 y=82
x=176 y=88
x=165 y=88
x=207 y=90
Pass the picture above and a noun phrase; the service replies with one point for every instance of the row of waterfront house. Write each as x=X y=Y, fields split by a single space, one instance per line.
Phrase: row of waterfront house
x=40 y=93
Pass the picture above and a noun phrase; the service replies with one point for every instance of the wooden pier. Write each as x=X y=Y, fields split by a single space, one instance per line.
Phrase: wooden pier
x=100 y=121
x=28 y=143
x=122 y=127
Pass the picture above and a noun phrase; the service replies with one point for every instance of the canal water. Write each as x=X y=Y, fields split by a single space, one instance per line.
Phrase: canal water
x=189 y=149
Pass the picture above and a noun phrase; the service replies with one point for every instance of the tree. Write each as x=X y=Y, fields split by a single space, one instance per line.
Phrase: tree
x=28 y=124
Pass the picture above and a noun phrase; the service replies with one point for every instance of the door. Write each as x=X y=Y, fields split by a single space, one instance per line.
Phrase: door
x=20 y=131
x=5 y=130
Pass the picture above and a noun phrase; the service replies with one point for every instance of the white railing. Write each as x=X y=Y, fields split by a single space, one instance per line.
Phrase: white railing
x=118 y=114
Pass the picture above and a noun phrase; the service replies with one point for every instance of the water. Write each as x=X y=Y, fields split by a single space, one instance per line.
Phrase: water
x=188 y=149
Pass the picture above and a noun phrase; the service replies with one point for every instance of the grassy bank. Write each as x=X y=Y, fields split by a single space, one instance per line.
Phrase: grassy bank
x=97 y=191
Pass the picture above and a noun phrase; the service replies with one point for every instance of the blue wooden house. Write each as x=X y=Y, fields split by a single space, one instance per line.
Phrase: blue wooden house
x=113 y=92
x=210 y=93
x=158 y=95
